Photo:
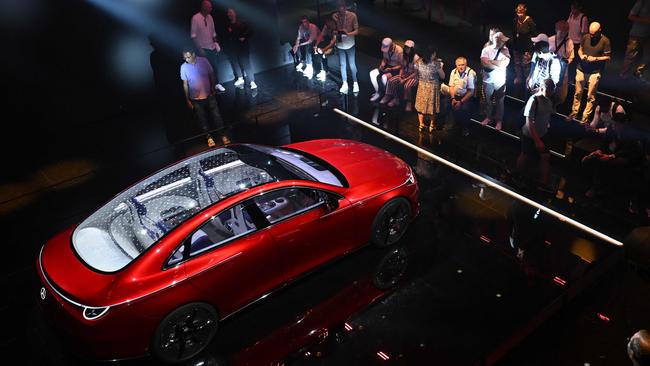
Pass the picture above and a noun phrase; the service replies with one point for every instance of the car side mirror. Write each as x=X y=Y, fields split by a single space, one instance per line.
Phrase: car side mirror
x=331 y=202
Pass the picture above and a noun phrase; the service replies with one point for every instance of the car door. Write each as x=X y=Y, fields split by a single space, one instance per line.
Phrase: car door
x=231 y=260
x=310 y=226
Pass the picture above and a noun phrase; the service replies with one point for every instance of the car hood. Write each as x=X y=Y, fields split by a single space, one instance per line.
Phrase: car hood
x=364 y=166
x=69 y=276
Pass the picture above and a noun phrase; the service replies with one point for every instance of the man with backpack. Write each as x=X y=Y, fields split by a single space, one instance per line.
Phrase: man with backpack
x=544 y=65
x=562 y=46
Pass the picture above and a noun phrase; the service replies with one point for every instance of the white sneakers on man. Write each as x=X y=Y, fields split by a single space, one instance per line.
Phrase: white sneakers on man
x=299 y=67
x=322 y=75
x=240 y=82
x=220 y=88
x=355 y=87
x=344 y=88
x=253 y=85
x=309 y=71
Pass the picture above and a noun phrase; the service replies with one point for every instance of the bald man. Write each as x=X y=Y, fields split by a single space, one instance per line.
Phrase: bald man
x=594 y=51
x=638 y=348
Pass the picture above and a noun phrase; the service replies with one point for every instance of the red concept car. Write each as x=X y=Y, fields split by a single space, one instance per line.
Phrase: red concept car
x=160 y=265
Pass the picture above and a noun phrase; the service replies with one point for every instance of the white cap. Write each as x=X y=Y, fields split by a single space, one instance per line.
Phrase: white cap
x=386 y=43
x=540 y=38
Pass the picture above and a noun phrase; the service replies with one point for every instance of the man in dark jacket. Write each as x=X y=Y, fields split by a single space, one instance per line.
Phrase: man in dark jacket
x=236 y=46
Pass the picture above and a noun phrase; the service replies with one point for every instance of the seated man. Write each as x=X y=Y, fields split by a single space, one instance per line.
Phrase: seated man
x=459 y=92
x=617 y=158
x=405 y=83
x=606 y=113
x=303 y=47
x=390 y=65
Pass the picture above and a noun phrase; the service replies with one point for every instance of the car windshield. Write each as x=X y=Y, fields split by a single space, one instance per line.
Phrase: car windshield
x=122 y=229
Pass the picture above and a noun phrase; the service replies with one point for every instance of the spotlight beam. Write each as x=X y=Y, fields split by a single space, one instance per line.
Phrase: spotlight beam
x=488 y=182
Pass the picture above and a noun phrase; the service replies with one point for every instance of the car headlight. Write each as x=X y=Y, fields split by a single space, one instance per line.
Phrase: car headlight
x=94 y=313
x=411 y=178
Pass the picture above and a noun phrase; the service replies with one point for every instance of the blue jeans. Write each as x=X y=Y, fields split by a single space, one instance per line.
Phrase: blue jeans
x=344 y=55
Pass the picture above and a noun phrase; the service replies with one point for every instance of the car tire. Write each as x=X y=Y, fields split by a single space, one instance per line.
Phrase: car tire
x=184 y=332
x=391 y=269
x=391 y=222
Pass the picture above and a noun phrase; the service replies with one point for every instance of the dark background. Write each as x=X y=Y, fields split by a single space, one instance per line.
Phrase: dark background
x=71 y=64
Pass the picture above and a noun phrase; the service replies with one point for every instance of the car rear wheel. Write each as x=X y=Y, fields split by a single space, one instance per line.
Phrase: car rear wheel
x=391 y=222
x=185 y=332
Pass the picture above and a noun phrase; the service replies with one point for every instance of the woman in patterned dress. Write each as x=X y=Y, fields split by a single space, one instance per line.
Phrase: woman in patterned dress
x=429 y=73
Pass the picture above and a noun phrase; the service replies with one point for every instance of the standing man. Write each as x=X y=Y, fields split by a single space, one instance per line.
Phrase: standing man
x=198 y=85
x=578 y=27
x=495 y=58
x=304 y=45
x=544 y=64
x=562 y=46
x=639 y=41
x=538 y=111
x=347 y=26
x=594 y=51
x=460 y=91
x=237 y=48
x=391 y=63
x=205 y=39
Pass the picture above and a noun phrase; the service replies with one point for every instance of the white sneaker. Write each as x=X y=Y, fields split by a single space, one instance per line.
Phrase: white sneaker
x=309 y=72
x=299 y=67
x=344 y=88
x=355 y=87
x=322 y=75
x=220 y=88
x=240 y=82
x=253 y=85
x=375 y=97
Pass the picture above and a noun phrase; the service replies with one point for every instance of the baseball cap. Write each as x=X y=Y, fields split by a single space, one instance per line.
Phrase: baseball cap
x=540 y=38
x=386 y=43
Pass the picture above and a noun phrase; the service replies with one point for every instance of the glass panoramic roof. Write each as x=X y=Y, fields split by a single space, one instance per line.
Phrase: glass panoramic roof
x=121 y=230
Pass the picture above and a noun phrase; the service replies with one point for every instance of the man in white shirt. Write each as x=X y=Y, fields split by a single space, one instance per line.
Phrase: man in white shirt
x=459 y=92
x=538 y=112
x=205 y=39
x=495 y=58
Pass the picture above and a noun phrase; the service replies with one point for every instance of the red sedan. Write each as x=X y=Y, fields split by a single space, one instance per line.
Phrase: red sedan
x=160 y=265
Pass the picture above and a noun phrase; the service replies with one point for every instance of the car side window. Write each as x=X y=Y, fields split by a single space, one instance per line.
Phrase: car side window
x=223 y=227
x=282 y=203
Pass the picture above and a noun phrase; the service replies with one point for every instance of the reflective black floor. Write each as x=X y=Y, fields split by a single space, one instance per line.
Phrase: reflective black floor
x=488 y=280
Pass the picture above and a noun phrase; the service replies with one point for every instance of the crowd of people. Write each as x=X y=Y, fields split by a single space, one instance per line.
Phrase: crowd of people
x=414 y=77
x=542 y=68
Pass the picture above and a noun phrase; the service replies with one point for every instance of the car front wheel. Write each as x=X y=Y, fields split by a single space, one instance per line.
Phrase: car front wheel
x=391 y=222
x=184 y=332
